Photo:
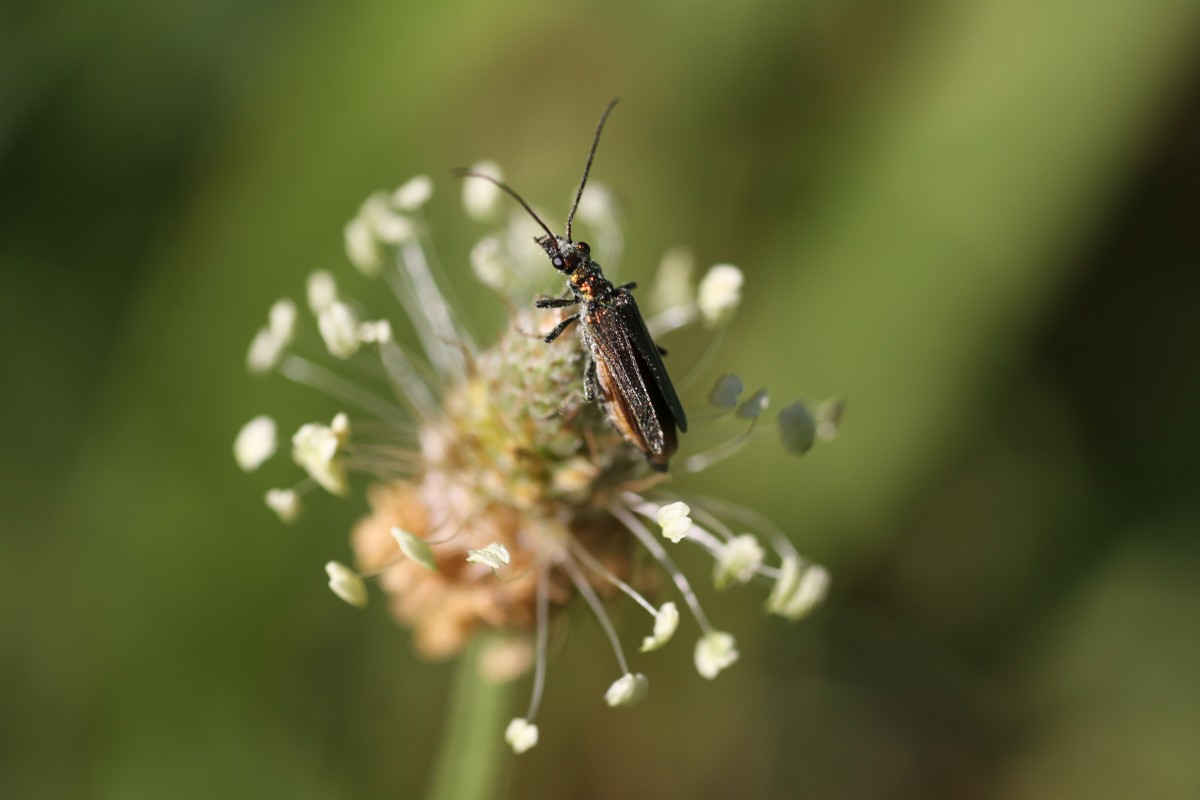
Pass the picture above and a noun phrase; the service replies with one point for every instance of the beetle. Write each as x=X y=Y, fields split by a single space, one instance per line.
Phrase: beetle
x=625 y=370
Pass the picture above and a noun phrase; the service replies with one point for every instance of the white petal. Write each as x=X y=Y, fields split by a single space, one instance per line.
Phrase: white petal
x=346 y=584
x=481 y=198
x=413 y=194
x=322 y=291
x=715 y=651
x=720 y=292
x=521 y=735
x=285 y=503
x=338 y=325
x=255 y=443
x=737 y=562
x=628 y=690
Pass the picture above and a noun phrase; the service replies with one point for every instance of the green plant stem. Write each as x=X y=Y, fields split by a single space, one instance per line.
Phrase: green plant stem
x=472 y=762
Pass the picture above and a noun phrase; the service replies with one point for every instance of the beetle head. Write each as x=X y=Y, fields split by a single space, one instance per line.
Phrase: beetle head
x=566 y=256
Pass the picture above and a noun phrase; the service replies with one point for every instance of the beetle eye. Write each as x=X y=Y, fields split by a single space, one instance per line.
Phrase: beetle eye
x=558 y=262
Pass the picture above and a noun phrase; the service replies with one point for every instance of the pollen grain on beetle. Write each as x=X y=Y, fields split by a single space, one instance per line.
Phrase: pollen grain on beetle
x=496 y=494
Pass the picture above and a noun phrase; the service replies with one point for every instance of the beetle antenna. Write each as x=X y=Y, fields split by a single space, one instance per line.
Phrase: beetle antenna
x=466 y=173
x=587 y=167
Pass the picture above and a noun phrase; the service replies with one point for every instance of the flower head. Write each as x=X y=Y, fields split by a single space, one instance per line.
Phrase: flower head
x=497 y=495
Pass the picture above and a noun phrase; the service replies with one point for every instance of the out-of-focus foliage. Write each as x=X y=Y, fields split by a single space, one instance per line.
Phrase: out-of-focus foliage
x=975 y=220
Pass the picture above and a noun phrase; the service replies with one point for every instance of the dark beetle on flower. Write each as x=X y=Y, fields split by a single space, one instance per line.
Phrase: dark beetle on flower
x=625 y=370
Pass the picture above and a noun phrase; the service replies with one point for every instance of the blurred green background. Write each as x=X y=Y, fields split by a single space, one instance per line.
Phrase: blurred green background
x=977 y=221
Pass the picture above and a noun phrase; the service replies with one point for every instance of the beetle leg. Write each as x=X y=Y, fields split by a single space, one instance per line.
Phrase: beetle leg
x=590 y=390
x=628 y=286
x=662 y=351
x=555 y=302
x=559 y=328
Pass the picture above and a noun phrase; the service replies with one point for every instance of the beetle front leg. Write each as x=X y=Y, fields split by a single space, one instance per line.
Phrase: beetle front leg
x=555 y=302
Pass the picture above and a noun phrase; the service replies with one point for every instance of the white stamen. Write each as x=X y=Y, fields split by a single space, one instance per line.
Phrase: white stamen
x=673 y=284
x=720 y=293
x=489 y=264
x=674 y=521
x=413 y=194
x=442 y=338
x=270 y=342
x=361 y=247
x=281 y=319
x=627 y=690
x=739 y=559
x=754 y=405
x=666 y=620
x=495 y=555
x=829 y=418
x=310 y=374
x=797 y=428
x=589 y=595
x=338 y=325
x=595 y=566
x=415 y=548
x=315 y=448
x=542 y=625
x=521 y=735
x=255 y=443
x=659 y=552
x=285 y=503
x=377 y=331
x=799 y=589
x=715 y=651
x=725 y=392
x=347 y=584
x=385 y=224
x=481 y=198
x=322 y=291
